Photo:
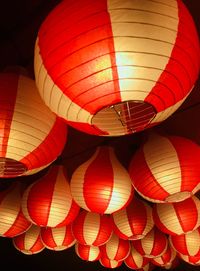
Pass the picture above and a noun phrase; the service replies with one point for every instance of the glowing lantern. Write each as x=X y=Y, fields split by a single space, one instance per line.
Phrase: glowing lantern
x=109 y=263
x=116 y=67
x=87 y=253
x=31 y=136
x=135 y=221
x=147 y=267
x=154 y=244
x=135 y=260
x=29 y=242
x=92 y=229
x=166 y=258
x=190 y=259
x=58 y=238
x=101 y=184
x=48 y=201
x=179 y=217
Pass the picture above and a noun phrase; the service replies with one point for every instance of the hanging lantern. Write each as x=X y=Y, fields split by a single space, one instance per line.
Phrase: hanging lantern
x=135 y=260
x=187 y=244
x=134 y=222
x=147 y=267
x=190 y=259
x=87 y=253
x=109 y=263
x=179 y=217
x=31 y=136
x=166 y=258
x=101 y=184
x=48 y=201
x=154 y=244
x=58 y=238
x=92 y=229
x=29 y=242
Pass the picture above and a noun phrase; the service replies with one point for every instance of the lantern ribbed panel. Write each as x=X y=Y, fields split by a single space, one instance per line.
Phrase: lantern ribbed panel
x=135 y=260
x=32 y=137
x=48 y=201
x=179 y=217
x=109 y=263
x=154 y=244
x=92 y=229
x=100 y=75
x=29 y=242
x=87 y=253
x=166 y=258
x=58 y=238
x=101 y=184
x=166 y=169
x=190 y=259
x=135 y=221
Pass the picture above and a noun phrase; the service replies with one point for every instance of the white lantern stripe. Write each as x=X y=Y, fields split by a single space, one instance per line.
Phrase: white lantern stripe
x=89 y=226
x=135 y=260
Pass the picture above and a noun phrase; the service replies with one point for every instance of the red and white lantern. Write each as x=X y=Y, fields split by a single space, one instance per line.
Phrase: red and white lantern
x=32 y=137
x=100 y=75
x=133 y=222
x=166 y=169
x=109 y=263
x=135 y=260
x=29 y=242
x=87 y=253
x=48 y=201
x=101 y=184
x=190 y=259
x=166 y=258
x=179 y=217
x=147 y=267
x=92 y=229
x=58 y=238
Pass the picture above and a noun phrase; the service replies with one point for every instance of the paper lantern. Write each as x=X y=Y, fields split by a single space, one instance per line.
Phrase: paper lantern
x=58 y=238
x=48 y=201
x=166 y=169
x=154 y=244
x=179 y=217
x=166 y=258
x=135 y=221
x=31 y=136
x=190 y=259
x=12 y=220
x=116 y=67
x=147 y=267
x=135 y=260
x=115 y=249
x=29 y=242
x=187 y=244
x=101 y=184
x=87 y=253
x=109 y=263
x=91 y=228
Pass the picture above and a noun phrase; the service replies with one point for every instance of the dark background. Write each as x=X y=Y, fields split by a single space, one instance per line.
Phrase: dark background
x=19 y=23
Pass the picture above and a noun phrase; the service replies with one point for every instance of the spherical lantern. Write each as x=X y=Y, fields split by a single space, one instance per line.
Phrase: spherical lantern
x=48 y=201
x=92 y=229
x=166 y=258
x=12 y=220
x=101 y=184
x=190 y=259
x=116 y=67
x=87 y=253
x=58 y=238
x=135 y=221
x=179 y=217
x=166 y=169
x=109 y=263
x=187 y=244
x=32 y=137
x=135 y=260
x=115 y=249
x=29 y=242
x=154 y=244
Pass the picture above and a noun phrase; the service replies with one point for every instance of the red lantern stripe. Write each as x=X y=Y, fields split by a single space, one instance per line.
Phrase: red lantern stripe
x=135 y=260
x=109 y=263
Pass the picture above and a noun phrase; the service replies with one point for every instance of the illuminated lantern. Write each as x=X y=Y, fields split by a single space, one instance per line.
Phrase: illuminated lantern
x=116 y=67
x=166 y=258
x=101 y=184
x=87 y=253
x=31 y=136
x=58 y=238
x=147 y=267
x=135 y=221
x=166 y=169
x=115 y=249
x=92 y=229
x=190 y=259
x=187 y=244
x=179 y=217
x=12 y=220
x=154 y=244
x=48 y=201
x=109 y=263
x=135 y=260
x=29 y=242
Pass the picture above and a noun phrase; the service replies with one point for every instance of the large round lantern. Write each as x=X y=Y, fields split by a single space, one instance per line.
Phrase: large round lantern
x=116 y=67
x=166 y=258
x=87 y=253
x=101 y=184
x=110 y=263
x=135 y=260
x=32 y=137
x=133 y=222
x=166 y=169
x=92 y=229
x=48 y=201
x=179 y=217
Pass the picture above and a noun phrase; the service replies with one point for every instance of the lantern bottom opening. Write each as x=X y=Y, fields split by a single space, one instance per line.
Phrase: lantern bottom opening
x=10 y=168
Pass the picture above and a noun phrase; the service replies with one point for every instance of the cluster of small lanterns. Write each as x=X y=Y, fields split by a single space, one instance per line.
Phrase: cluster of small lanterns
x=100 y=77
